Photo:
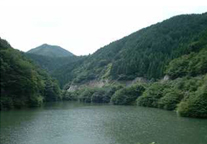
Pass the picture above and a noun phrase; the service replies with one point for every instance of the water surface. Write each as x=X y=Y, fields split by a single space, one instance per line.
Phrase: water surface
x=79 y=123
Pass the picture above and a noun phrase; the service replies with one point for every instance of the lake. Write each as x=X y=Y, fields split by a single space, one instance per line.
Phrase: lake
x=80 y=123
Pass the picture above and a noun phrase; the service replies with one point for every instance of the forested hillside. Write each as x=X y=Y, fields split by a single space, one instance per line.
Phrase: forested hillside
x=176 y=47
x=22 y=82
x=145 y=53
x=185 y=92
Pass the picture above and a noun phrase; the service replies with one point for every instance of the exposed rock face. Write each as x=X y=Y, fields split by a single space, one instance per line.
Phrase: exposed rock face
x=136 y=80
x=101 y=83
x=73 y=88
x=93 y=83
x=166 y=78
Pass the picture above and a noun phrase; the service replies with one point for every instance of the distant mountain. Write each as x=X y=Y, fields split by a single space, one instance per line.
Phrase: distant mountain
x=50 y=51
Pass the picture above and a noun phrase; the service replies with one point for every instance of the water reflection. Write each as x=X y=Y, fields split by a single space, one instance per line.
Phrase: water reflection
x=78 y=123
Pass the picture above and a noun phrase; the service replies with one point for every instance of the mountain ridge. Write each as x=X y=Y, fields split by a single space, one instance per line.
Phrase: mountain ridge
x=50 y=51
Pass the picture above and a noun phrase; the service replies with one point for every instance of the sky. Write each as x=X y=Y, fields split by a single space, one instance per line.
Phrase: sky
x=83 y=26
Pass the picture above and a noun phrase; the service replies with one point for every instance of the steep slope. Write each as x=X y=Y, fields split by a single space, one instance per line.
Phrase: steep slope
x=50 y=51
x=23 y=83
x=145 y=53
x=52 y=64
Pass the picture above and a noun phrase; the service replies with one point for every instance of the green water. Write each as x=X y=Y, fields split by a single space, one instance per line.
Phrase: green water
x=78 y=123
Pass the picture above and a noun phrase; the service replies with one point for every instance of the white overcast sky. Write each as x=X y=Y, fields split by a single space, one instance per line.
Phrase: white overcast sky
x=83 y=26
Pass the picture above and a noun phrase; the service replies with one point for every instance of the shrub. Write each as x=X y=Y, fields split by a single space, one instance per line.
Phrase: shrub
x=98 y=96
x=71 y=96
x=170 y=99
x=35 y=100
x=86 y=95
x=195 y=105
x=127 y=95
x=6 y=102
x=152 y=95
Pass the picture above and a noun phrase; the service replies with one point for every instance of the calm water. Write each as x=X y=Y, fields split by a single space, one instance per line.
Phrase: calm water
x=78 y=123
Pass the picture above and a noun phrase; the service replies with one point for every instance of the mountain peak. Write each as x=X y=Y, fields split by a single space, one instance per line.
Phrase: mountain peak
x=50 y=51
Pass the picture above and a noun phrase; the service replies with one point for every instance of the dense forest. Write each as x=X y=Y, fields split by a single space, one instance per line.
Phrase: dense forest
x=22 y=82
x=185 y=92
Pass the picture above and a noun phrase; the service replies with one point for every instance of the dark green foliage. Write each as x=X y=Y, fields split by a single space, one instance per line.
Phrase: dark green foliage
x=187 y=91
x=57 y=66
x=99 y=96
x=51 y=63
x=22 y=83
x=192 y=64
x=51 y=91
x=127 y=95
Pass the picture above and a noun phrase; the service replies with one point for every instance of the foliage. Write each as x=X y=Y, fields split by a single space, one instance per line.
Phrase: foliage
x=86 y=95
x=127 y=95
x=170 y=99
x=192 y=65
x=95 y=95
x=152 y=95
x=186 y=95
x=57 y=66
x=22 y=83
x=70 y=96
x=195 y=105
